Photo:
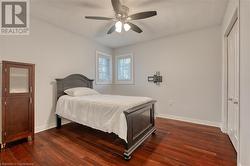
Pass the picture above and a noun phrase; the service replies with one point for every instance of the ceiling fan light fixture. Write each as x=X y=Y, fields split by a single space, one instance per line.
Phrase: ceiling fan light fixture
x=122 y=18
x=127 y=27
x=118 y=26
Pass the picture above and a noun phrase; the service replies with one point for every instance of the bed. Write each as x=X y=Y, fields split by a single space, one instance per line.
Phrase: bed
x=131 y=118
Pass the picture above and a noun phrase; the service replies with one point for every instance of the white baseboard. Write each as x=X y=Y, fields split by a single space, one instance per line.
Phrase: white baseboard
x=48 y=126
x=223 y=129
x=185 y=119
x=239 y=164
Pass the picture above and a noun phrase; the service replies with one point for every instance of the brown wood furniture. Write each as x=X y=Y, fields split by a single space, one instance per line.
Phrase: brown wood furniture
x=140 y=119
x=17 y=101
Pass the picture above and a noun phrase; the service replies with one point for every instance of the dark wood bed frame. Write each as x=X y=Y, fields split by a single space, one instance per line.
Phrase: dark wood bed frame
x=140 y=119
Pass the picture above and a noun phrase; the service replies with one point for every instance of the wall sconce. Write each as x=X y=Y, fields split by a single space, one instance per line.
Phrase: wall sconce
x=156 y=78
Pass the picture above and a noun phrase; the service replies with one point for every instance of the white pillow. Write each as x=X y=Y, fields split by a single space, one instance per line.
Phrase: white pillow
x=80 y=91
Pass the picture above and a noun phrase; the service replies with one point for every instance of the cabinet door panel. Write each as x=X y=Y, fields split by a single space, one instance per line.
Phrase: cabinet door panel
x=17 y=114
x=19 y=80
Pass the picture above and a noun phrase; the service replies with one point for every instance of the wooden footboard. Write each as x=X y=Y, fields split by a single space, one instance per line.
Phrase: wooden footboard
x=140 y=125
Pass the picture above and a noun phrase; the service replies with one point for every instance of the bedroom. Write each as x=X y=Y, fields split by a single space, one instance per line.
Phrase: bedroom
x=185 y=42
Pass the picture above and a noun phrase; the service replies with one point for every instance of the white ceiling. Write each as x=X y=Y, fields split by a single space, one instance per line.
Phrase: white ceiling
x=174 y=16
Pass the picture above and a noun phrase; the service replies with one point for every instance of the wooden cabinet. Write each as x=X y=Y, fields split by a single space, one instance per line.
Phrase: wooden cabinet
x=17 y=101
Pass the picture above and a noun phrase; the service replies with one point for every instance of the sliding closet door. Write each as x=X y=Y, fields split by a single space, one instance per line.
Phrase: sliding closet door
x=233 y=85
x=18 y=101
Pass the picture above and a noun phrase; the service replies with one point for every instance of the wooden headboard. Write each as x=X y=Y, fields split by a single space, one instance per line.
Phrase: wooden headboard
x=72 y=81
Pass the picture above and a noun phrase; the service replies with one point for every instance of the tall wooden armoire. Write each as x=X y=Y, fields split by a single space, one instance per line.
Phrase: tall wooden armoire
x=17 y=113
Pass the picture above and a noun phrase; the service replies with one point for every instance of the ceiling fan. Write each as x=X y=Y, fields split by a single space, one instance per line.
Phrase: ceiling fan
x=122 y=19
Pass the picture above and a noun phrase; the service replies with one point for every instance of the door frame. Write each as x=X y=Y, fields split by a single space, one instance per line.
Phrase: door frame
x=233 y=104
x=224 y=127
x=235 y=17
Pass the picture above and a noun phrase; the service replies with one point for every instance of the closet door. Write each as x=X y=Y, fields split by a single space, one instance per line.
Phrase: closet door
x=233 y=85
x=18 y=121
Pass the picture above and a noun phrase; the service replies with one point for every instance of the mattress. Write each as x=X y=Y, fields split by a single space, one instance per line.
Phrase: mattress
x=101 y=112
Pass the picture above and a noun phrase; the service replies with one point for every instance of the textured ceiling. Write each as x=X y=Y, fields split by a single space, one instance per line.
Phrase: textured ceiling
x=174 y=16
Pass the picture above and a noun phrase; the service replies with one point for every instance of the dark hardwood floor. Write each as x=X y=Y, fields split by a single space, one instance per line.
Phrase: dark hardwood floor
x=175 y=143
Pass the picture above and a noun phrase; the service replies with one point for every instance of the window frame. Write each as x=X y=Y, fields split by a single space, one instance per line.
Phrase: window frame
x=98 y=81
x=125 y=82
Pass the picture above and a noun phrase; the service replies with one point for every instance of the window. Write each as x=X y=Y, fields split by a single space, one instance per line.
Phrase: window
x=103 y=68
x=124 y=69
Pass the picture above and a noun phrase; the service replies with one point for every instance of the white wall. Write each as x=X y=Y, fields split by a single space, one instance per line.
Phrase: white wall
x=244 y=82
x=191 y=67
x=56 y=53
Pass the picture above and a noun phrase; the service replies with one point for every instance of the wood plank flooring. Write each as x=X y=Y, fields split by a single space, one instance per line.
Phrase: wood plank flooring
x=175 y=144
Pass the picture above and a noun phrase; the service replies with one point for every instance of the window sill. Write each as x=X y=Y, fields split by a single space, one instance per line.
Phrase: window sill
x=124 y=83
x=103 y=83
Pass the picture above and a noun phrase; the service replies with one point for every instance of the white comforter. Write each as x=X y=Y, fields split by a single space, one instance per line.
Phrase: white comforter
x=102 y=112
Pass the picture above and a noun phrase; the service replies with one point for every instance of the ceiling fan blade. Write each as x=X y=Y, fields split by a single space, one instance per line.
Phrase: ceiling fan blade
x=116 y=5
x=98 y=18
x=143 y=15
x=135 y=27
x=111 y=30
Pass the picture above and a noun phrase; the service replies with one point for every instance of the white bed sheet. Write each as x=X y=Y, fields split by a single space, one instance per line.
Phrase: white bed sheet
x=102 y=112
